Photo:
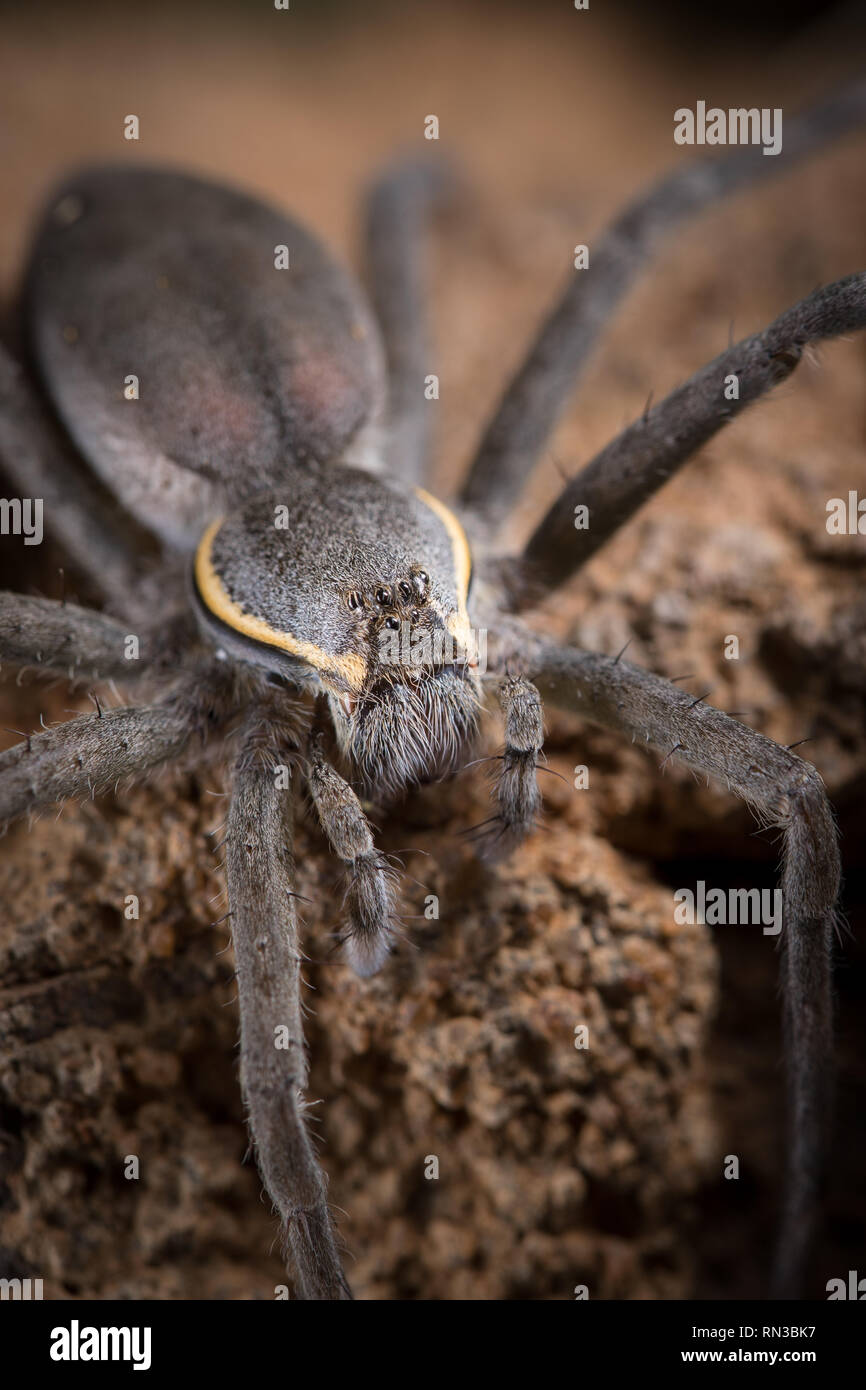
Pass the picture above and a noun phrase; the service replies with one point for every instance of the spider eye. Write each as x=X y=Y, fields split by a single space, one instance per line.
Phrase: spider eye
x=354 y=599
x=383 y=596
x=405 y=590
x=421 y=580
x=392 y=622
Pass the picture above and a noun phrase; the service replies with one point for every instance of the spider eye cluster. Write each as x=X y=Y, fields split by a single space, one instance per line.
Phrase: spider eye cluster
x=413 y=589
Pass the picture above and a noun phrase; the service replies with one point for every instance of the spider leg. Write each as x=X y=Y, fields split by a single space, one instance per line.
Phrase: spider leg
x=79 y=642
x=646 y=454
x=90 y=754
x=399 y=206
x=517 y=785
x=538 y=393
x=260 y=865
x=784 y=791
x=40 y=464
x=369 y=896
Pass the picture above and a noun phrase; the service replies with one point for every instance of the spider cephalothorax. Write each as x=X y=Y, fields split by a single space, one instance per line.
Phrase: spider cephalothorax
x=223 y=379
x=356 y=588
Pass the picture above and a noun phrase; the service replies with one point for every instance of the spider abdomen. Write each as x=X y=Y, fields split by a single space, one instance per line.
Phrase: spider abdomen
x=196 y=343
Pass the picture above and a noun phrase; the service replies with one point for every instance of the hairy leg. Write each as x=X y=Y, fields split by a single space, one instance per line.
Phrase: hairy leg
x=40 y=463
x=646 y=454
x=399 y=206
x=259 y=860
x=536 y=396
x=517 y=793
x=784 y=791
x=369 y=899
x=62 y=637
x=92 y=753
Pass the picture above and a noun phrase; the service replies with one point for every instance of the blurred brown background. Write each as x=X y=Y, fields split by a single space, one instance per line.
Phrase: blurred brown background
x=556 y=1167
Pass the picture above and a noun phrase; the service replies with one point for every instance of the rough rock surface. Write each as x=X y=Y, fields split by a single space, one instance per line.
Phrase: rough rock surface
x=556 y=1165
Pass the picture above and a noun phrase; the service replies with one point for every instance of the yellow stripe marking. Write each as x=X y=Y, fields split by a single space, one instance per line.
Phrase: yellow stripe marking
x=457 y=623
x=351 y=669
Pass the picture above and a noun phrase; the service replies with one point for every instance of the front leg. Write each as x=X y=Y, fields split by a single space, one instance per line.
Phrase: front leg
x=369 y=897
x=89 y=755
x=78 y=642
x=260 y=865
x=517 y=785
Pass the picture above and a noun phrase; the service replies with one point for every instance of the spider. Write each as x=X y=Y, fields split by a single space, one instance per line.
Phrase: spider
x=238 y=493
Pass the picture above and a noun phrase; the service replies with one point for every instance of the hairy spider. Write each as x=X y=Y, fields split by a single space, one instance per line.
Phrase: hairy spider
x=285 y=580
